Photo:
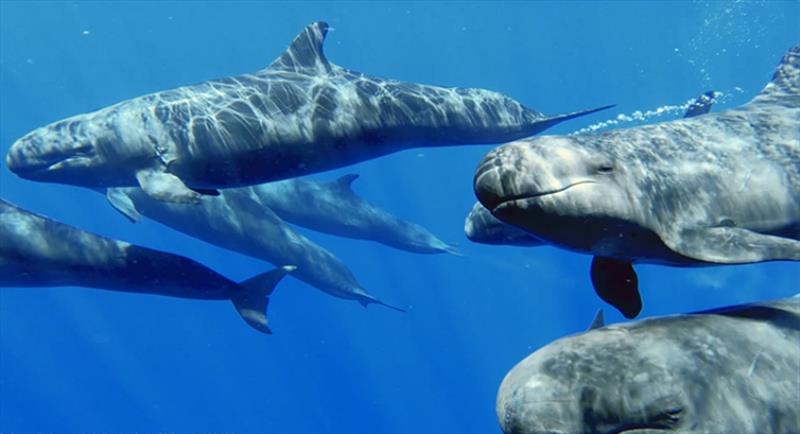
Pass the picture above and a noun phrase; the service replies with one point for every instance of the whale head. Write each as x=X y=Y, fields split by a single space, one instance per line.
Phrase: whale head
x=561 y=190
x=84 y=150
x=599 y=381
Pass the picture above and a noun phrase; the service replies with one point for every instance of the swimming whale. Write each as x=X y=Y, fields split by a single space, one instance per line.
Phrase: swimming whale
x=718 y=188
x=334 y=208
x=482 y=227
x=237 y=220
x=299 y=115
x=38 y=251
x=730 y=370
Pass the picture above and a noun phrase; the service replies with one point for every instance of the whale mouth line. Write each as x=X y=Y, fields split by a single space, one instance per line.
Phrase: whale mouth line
x=41 y=167
x=54 y=161
x=508 y=200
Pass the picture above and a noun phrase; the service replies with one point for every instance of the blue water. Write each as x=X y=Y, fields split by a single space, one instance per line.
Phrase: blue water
x=74 y=359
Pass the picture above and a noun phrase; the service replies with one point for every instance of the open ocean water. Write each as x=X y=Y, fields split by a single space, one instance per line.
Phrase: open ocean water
x=85 y=360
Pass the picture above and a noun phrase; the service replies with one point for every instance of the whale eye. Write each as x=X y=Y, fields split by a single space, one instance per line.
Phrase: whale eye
x=605 y=168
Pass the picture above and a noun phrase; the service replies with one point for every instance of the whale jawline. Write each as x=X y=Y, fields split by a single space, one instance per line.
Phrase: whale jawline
x=526 y=196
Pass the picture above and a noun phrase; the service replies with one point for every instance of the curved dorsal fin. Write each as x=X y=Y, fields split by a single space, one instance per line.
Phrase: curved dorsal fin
x=305 y=52
x=598 y=321
x=346 y=181
x=785 y=82
x=701 y=105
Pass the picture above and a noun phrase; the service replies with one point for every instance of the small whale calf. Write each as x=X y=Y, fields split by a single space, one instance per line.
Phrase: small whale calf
x=333 y=208
x=37 y=251
x=300 y=115
x=731 y=370
x=238 y=220
x=717 y=188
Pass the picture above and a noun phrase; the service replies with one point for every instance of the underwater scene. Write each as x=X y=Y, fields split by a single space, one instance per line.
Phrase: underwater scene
x=400 y=217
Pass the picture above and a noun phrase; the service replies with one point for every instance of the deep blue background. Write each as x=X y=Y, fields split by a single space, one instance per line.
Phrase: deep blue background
x=75 y=359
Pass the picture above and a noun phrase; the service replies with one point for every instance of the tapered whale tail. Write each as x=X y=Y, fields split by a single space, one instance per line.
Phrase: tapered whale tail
x=366 y=299
x=549 y=122
x=253 y=299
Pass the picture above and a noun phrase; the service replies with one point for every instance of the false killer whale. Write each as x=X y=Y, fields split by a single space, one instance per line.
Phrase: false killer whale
x=715 y=188
x=38 y=251
x=299 y=115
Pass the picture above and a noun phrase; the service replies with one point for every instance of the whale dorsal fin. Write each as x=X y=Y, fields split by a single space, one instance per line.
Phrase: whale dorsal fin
x=785 y=83
x=598 y=321
x=346 y=181
x=701 y=105
x=305 y=52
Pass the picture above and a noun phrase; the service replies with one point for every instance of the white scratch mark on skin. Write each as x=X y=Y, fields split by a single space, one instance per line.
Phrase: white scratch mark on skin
x=753 y=365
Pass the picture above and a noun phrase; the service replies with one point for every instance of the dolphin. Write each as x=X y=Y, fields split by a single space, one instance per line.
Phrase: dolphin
x=38 y=251
x=299 y=115
x=729 y=370
x=482 y=227
x=718 y=188
x=237 y=220
x=334 y=208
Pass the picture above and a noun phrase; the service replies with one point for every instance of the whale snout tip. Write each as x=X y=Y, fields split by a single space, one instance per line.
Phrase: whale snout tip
x=15 y=157
x=24 y=157
x=491 y=179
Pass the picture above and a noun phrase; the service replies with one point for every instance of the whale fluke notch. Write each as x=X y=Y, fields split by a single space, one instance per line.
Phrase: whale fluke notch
x=615 y=281
x=305 y=51
x=252 y=301
x=785 y=82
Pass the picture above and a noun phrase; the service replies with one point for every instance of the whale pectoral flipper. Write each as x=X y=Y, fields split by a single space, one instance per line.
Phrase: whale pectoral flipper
x=206 y=191
x=615 y=281
x=123 y=203
x=166 y=187
x=732 y=245
x=253 y=299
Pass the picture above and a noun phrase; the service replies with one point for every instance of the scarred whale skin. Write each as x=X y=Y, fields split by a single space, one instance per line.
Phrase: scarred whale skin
x=334 y=208
x=37 y=251
x=299 y=115
x=238 y=220
x=718 y=188
x=732 y=370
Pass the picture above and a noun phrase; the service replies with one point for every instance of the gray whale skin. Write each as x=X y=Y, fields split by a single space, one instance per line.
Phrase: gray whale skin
x=730 y=370
x=299 y=115
x=716 y=188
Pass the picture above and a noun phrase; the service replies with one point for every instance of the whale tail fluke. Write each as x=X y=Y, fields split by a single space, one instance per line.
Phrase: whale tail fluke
x=453 y=250
x=253 y=299
x=549 y=122
x=366 y=299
